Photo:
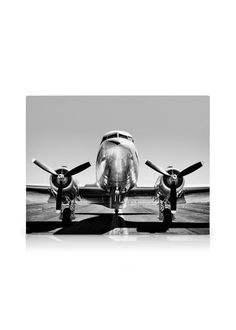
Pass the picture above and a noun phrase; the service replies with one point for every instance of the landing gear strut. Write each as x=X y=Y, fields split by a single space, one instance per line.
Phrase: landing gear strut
x=117 y=201
x=67 y=213
x=165 y=213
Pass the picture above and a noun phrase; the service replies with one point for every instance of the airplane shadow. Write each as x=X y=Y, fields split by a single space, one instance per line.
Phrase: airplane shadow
x=95 y=225
x=102 y=224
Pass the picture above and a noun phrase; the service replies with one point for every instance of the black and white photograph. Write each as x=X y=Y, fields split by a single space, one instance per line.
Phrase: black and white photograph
x=117 y=165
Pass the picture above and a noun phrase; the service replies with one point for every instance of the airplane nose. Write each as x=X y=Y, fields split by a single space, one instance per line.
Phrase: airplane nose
x=117 y=159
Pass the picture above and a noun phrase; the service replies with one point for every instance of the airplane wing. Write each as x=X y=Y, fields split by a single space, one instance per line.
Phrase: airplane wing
x=92 y=194
x=196 y=189
x=148 y=194
x=197 y=194
x=43 y=189
x=89 y=194
x=141 y=195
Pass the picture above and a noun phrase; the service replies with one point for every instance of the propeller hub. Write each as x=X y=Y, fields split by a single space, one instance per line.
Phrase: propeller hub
x=60 y=177
x=168 y=180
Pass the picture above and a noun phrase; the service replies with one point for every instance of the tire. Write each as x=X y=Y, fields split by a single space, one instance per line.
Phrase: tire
x=167 y=221
x=66 y=217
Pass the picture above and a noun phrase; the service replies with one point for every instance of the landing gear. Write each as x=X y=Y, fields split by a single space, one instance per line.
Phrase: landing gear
x=165 y=213
x=167 y=218
x=67 y=213
x=66 y=217
x=117 y=201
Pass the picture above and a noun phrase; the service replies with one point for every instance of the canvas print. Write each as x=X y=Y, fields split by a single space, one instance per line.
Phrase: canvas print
x=123 y=165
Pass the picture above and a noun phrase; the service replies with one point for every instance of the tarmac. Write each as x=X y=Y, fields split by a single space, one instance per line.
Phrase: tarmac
x=191 y=218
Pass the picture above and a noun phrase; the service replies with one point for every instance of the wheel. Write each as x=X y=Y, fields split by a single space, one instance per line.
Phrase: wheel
x=66 y=217
x=167 y=221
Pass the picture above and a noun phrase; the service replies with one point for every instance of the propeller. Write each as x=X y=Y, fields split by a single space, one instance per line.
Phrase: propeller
x=157 y=169
x=173 y=196
x=78 y=169
x=173 y=178
x=190 y=169
x=44 y=167
x=60 y=177
x=59 y=196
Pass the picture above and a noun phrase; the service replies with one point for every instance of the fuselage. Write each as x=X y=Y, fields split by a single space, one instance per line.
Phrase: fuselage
x=117 y=162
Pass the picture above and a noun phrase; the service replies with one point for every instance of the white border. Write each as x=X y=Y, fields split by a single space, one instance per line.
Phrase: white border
x=130 y=47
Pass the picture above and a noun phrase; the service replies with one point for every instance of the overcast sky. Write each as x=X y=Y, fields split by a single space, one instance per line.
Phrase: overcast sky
x=67 y=130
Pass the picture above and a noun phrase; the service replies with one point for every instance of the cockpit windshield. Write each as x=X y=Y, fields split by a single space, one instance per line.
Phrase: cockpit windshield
x=112 y=136
x=123 y=136
x=117 y=135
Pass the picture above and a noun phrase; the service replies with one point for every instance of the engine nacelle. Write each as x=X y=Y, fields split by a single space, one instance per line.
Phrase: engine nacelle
x=164 y=182
x=70 y=185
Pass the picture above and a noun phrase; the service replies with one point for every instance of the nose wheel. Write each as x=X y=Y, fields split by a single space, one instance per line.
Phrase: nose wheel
x=167 y=218
x=67 y=213
x=165 y=214
x=66 y=217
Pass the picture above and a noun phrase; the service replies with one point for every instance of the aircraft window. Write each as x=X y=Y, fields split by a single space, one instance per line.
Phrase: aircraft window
x=115 y=135
x=104 y=138
x=112 y=136
x=123 y=136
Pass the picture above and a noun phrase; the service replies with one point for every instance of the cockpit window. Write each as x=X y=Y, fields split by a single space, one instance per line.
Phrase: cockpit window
x=123 y=136
x=114 y=135
x=117 y=135
x=126 y=137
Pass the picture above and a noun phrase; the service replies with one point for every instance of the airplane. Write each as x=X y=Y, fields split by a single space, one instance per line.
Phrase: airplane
x=117 y=169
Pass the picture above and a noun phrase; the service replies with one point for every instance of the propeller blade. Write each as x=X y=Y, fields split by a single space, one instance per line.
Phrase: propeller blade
x=78 y=169
x=157 y=169
x=44 y=167
x=59 y=196
x=173 y=197
x=190 y=169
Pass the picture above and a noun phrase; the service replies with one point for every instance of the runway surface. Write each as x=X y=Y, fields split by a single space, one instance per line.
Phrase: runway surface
x=191 y=218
